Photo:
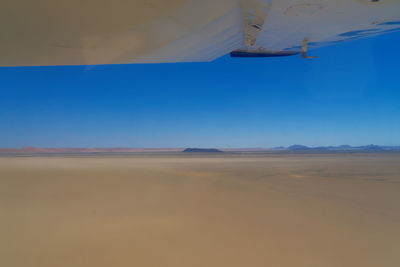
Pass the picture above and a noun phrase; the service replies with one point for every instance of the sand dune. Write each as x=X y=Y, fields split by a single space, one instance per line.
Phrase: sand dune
x=253 y=210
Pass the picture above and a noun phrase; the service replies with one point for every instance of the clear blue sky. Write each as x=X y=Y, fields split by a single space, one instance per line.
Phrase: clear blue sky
x=349 y=95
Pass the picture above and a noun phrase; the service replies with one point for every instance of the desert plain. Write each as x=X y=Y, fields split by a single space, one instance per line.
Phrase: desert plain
x=200 y=210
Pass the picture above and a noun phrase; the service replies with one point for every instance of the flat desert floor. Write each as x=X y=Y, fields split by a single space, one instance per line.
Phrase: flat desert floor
x=211 y=210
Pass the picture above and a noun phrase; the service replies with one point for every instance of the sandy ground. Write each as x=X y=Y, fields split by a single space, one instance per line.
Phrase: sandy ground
x=271 y=210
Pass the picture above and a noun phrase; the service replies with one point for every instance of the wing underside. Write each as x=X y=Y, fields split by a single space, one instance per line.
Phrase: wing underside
x=89 y=32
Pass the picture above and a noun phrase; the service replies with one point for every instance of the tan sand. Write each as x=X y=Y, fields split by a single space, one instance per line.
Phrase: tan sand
x=271 y=210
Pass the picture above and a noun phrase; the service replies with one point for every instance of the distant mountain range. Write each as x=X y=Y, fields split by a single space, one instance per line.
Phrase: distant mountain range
x=367 y=148
x=303 y=148
x=281 y=149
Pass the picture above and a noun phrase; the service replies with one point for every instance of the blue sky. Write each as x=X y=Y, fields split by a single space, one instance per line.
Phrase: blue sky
x=349 y=95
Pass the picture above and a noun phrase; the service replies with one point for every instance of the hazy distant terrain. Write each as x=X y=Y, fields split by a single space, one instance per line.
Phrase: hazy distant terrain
x=206 y=210
x=128 y=150
x=202 y=150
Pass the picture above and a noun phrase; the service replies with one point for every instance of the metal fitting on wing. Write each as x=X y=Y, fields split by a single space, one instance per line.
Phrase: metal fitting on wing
x=304 y=48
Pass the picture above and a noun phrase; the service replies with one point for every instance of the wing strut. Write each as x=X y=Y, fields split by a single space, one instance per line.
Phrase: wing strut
x=304 y=49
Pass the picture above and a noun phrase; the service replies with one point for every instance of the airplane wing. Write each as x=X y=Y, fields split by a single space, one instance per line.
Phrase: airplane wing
x=90 y=32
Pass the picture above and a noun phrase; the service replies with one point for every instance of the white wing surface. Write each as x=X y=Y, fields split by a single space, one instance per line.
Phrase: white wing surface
x=88 y=32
